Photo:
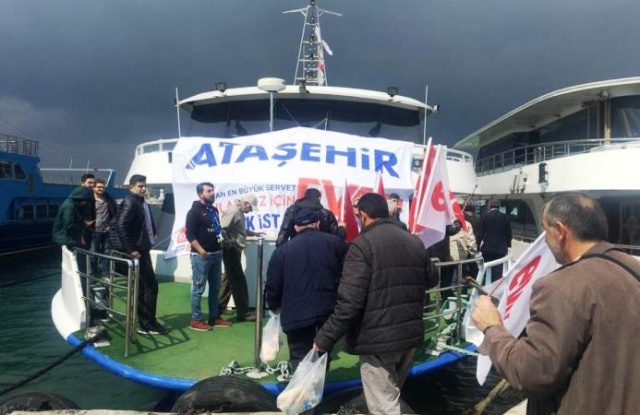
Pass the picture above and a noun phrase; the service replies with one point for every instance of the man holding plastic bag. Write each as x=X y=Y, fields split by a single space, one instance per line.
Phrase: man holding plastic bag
x=302 y=282
x=380 y=304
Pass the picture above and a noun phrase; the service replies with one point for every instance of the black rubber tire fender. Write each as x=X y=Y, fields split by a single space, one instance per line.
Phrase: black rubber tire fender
x=351 y=399
x=225 y=394
x=36 y=401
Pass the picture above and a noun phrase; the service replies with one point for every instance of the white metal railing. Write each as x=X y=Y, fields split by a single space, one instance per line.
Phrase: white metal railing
x=537 y=153
x=17 y=145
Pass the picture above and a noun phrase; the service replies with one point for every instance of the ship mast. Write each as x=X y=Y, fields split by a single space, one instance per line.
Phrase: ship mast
x=310 y=67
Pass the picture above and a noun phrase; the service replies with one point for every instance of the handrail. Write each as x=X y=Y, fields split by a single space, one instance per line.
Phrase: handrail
x=95 y=285
x=16 y=145
x=536 y=153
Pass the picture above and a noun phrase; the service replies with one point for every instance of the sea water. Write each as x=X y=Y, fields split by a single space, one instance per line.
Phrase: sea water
x=30 y=342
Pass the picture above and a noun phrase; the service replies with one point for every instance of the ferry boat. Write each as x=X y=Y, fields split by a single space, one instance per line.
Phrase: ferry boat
x=31 y=196
x=309 y=109
x=582 y=138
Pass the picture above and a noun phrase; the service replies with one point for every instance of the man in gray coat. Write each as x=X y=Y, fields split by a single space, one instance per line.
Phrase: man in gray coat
x=380 y=304
x=579 y=353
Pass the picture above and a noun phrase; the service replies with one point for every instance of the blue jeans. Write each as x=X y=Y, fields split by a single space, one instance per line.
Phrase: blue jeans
x=207 y=270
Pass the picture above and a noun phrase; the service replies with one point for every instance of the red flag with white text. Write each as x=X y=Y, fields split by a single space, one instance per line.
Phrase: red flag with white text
x=436 y=211
x=421 y=185
x=348 y=216
x=457 y=211
x=378 y=186
x=535 y=263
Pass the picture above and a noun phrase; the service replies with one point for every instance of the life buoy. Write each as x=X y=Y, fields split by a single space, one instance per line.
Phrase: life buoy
x=225 y=394
x=36 y=401
x=351 y=399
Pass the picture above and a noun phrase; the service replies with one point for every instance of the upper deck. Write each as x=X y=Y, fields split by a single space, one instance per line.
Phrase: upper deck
x=229 y=112
x=598 y=116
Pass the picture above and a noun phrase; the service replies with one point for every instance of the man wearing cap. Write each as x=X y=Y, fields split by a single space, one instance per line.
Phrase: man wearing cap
x=380 y=304
x=310 y=200
x=234 y=282
x=302 y=281
x=204 y=233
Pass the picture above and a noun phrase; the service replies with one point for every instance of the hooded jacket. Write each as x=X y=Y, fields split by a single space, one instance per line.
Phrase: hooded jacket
x=69 y=224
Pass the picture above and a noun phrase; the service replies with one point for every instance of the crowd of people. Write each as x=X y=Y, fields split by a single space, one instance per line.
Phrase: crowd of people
x=371 y=292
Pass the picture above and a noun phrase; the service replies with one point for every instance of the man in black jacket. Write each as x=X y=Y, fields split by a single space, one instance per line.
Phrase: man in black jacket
x=302 y=282
x=136 y=235
x=496 y=237
x=310 y=200
x=380 y=304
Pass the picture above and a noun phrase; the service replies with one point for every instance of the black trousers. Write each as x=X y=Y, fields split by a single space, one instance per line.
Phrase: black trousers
x=300 y=341
x=147 y=291
x=234 y=282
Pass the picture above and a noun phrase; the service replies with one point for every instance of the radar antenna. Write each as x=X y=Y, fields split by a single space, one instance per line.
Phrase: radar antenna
x=310 y=66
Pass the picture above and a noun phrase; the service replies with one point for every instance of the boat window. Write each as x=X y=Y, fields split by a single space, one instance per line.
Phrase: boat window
x=5 y=169
x=625 y=117
x=53 y=210
x=523 y=224
x=151 y=148
x=168 y=146
x=41 y=212
x=18 y=172
x=26 y=212
x=581 y=125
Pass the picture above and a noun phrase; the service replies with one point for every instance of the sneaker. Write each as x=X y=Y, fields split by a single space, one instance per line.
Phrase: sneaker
x=153 y=329
x=248 y=317
x=218 y=322
x=200 y=325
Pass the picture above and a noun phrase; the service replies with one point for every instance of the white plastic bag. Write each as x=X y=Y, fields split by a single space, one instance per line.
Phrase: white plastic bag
x=304 y=390
x=271 y=339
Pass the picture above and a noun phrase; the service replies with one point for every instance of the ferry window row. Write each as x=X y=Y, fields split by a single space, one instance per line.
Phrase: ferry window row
x=41 y=211
x=586 y=124
x=11 y=170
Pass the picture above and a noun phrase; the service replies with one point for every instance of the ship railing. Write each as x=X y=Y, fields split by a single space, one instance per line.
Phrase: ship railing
x=71 y=176
x=110 y=285
x=452 y=308
x=16 y=145
x=537 y=153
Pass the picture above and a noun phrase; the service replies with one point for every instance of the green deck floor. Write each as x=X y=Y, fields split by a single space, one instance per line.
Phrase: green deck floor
x=189 y=354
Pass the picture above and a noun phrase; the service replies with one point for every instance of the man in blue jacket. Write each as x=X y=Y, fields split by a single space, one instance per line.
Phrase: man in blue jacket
x=302 y=281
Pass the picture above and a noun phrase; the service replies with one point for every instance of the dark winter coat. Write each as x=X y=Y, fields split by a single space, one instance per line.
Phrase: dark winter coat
x=496 y=234
x=128 y=232
x=328 y=222
x=303 y=278
x=381 y=293
x=69 y=225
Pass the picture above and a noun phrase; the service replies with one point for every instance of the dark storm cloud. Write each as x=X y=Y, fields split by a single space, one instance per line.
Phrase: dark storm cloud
x=94 y=78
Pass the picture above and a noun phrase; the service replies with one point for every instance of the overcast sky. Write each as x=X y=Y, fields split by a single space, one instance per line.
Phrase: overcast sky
x=93 y=78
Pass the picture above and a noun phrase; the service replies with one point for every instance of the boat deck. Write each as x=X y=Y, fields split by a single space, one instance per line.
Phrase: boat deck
x=184 y=356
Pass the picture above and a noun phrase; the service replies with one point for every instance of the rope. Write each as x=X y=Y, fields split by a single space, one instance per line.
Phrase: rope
x=281 y=369
x=97 y=336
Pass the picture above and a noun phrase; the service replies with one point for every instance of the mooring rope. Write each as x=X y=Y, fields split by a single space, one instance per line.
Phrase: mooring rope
x=281 y=369
x=97 y=336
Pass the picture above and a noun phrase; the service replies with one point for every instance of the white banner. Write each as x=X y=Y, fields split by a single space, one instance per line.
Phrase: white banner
x=278 y=167
x=536 y=262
